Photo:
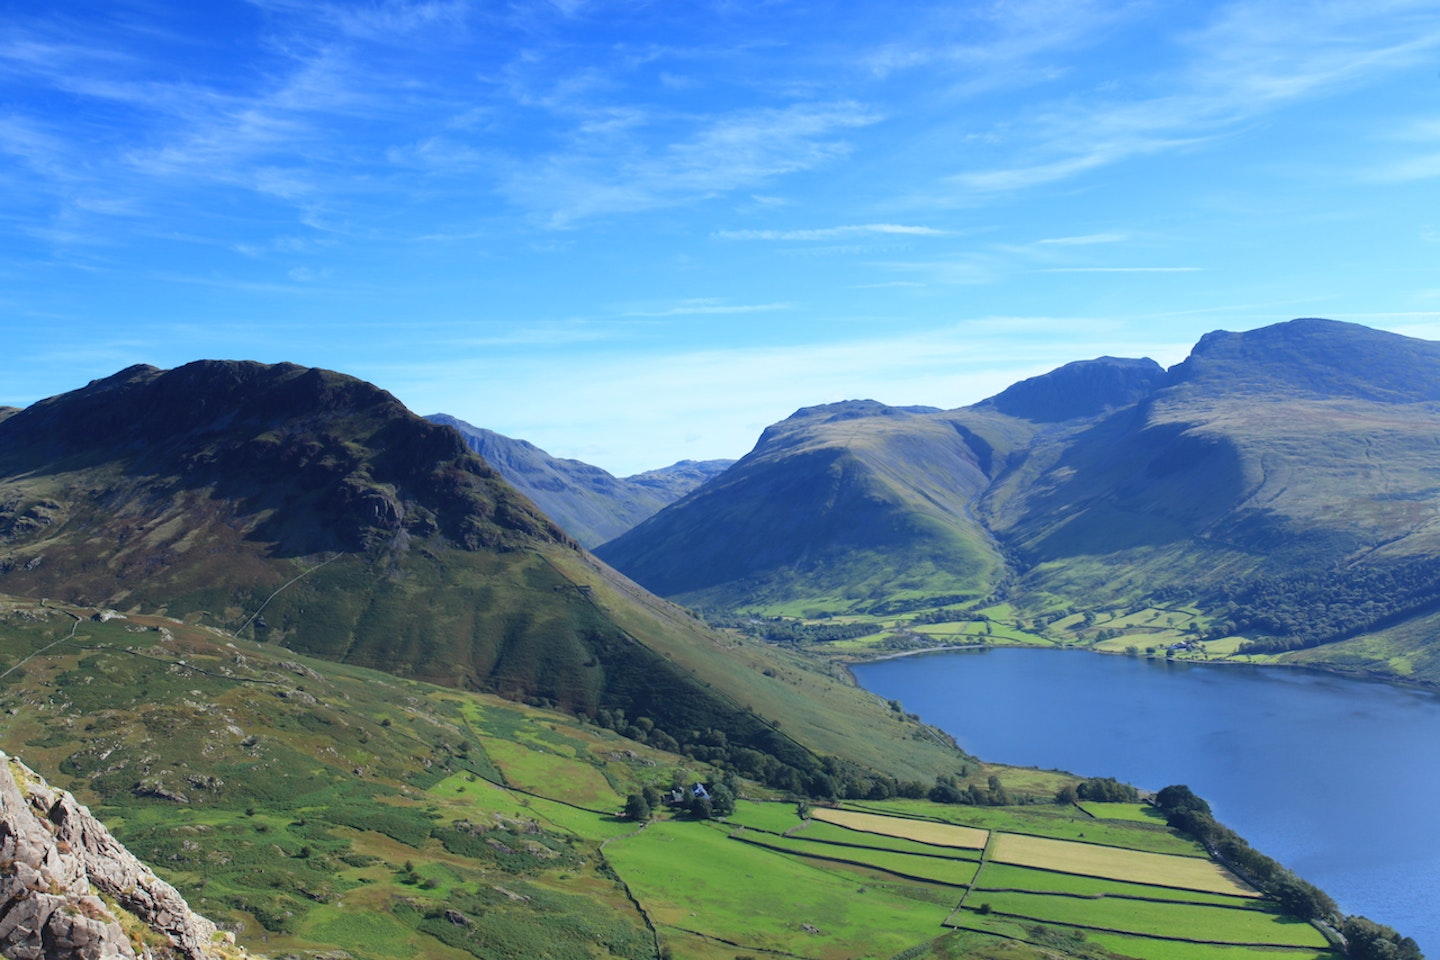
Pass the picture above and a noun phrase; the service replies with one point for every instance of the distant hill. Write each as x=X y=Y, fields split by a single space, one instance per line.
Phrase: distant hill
x=590 y=504
x=312 y=510
x=1297 y=454
x=853 y=501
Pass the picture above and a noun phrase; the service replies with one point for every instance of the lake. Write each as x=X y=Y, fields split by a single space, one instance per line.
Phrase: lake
x=1337 y=779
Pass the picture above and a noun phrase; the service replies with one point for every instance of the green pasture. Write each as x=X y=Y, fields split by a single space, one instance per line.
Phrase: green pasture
x=1187 y=921
x=553 y=775
x=1151 y=949
x=773 y=817
x=1135 y=812
x=693 y=878
x=952 y=872
x=1004 y=876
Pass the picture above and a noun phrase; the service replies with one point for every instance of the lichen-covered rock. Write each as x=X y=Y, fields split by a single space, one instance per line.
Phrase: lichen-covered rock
x=57 y=862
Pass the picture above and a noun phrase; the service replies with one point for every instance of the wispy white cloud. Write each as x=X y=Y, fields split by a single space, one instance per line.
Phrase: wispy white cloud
x=1120 y=269
x=831 y=233
x=1086 y=240
x=704 y=306
x=719 y=154
x=1252 y=59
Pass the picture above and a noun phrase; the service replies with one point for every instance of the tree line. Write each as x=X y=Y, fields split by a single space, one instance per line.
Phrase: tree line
x=1364 y=938
x=1293 y=611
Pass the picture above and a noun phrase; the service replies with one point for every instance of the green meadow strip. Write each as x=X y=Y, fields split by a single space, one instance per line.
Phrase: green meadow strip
x=1004 y=876
x=1131 y=812
x=1205 y=924
x=925 y=869
x=694 y=878
x=771 y=817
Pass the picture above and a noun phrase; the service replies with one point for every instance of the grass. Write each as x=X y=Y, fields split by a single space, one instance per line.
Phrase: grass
x=954 y=872
x=1001 y=876
x=695 y=879
x=1171 y=920
x=774 y=817
x=1134 y=812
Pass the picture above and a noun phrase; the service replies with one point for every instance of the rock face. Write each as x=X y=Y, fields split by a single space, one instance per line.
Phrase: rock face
x=57 y=862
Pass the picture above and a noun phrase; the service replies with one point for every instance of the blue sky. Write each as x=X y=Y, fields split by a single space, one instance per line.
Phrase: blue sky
x=636 y=232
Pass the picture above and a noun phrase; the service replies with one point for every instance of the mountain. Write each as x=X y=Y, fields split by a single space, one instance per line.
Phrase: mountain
x=1279 y=484
x=590 y=504
x=70 y=890
x=854 y=500
x=313 y=511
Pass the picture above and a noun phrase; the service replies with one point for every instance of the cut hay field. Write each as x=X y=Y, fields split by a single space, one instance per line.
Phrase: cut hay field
x=1060 y=823
x=925 y=831
x=1133 y=866
x=819 y=830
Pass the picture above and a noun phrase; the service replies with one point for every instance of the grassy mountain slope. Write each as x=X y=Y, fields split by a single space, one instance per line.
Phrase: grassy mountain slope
x=1279 y=486
x=590 y=504
x=1286 y=451
x=311 y=510
x=835 y=507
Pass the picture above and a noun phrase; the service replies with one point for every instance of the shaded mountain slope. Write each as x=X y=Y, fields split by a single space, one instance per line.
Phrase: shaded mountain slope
x=313 y=510
x=1288 y=450
x=590 y=504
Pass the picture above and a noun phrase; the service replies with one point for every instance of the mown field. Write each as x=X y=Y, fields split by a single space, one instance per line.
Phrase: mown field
x=313 y=807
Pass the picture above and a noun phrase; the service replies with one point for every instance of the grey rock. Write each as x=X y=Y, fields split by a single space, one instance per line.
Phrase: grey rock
x=59 y=863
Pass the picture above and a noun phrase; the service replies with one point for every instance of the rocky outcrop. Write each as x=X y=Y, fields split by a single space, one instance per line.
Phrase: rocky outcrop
x=63 y=876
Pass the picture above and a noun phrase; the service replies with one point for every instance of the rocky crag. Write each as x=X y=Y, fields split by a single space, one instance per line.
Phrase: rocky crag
x=68 y=889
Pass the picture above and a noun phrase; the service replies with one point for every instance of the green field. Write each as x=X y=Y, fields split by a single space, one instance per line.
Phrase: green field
x=694 y=881
x=950 y=871
x=1171 y=920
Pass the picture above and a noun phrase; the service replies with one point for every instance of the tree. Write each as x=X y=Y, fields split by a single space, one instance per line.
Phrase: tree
x=722 y=800
x=637 y=808
x=1179 y=798
x=701 y=808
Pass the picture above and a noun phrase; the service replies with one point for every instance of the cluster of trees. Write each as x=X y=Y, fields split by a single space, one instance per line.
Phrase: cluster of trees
x=1185 y=811
x=718 y=799
x=1368 y=940
x=795 y=632
x=1098 y=789
x=947 y=789
x=1306 y=610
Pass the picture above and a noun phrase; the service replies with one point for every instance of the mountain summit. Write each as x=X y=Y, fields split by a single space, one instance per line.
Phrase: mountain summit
x=311 y=510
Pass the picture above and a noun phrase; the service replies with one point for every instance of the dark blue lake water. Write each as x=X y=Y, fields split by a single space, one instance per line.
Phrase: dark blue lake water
x=1337 y=779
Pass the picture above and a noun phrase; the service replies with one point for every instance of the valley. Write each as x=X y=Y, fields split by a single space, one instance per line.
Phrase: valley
x=310 y=806
x=349 y=689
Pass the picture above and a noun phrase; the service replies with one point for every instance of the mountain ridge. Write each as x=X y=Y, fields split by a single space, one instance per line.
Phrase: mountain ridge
x=1292 y=451
x=588 y=502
